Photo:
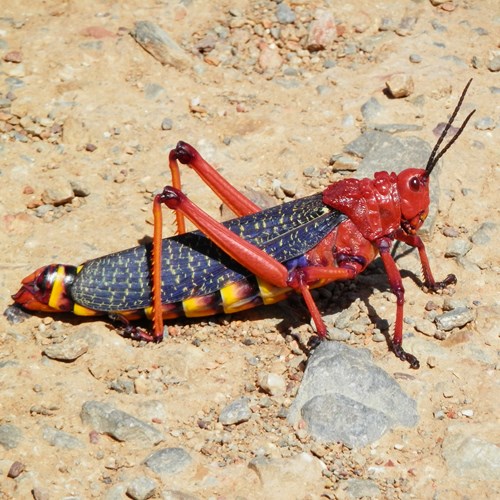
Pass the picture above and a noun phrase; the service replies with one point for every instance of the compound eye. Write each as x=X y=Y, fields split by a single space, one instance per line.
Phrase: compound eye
x=414 y=183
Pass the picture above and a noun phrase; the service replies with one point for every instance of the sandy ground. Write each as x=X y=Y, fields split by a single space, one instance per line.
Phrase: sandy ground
x=82 y=111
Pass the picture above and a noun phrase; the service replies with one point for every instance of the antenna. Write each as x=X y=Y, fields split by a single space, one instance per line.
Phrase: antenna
x=435 y=156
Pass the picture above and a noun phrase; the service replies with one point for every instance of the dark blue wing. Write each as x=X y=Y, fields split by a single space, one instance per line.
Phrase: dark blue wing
x=192 y=265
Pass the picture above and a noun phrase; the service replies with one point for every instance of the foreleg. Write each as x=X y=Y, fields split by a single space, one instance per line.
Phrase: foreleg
x=429 y=281
x=396 y=284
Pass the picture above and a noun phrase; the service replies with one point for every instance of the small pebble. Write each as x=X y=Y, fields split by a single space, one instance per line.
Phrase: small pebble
x=322 y=32
x=450 y=232
x=15 y=469
x=14 y=56
x=168 y=461
x=79 y=188
x=285 y=14
x=454 y=319
x=10 y=436
x=40 y=494
x=141 y=488
x=449 y=304
x=415 y=58
x=166 y=124
x=494 y=63
x=387 y=24
x=235 y=413
x=289 y=188
x=341 y=162
x=457 y=248
x=272 y=383
x=371 y=109
x=160 y=45
x=439 y=415
x=400 y=85
x=486 y=123
x=338 y=334
x=485 y=233
x=426 y=327
x=68 y=350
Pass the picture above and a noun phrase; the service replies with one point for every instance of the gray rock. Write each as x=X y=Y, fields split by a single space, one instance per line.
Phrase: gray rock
x=345 y=397
x=371 y=109
x=122 y=384
x=285 y=14
x=236 y=412
x=344 y=319
x=338 y=334
x=154 y=91
x=5 y=103
x=272 y=383
x=80 y=188
x=58 y=193
x=167 y=124
x=10 y=436
x=387 y=24
x=406 y=26
x=485 y=123
x=68 y=350
x=362 y=488
x=333 y=417
x=159 y=44
x=393 y=128
x=494 y=63
x=382 y=151
x=117 y=492
x=454 y=319
x=426 y=327
x=7 y=363
x=457 y=247
x=141 y=488
x=471 y=457
x=61 y=439
x=400 y=85
x=485 y=233
x=343 y=162
x=122 y=426
x=168 y=460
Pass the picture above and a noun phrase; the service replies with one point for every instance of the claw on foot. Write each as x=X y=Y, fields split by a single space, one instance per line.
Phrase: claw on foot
x=136 y=333
x=405 y=356
x=314 y=342
x=451 y=279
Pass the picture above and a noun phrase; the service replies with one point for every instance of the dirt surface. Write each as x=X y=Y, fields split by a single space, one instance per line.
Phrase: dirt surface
x=86 y=122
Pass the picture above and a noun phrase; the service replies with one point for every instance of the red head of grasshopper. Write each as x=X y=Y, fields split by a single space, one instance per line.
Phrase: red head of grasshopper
x=413 y=184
